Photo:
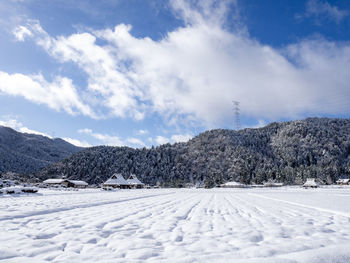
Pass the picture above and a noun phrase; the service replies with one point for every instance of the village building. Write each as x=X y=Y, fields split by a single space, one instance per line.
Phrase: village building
x=56 y=182
x=232 y=185
x=343 y=181
x=310 y=183
x=79 y=183
x=65 y=183
x=134 y=182
x=116 y=181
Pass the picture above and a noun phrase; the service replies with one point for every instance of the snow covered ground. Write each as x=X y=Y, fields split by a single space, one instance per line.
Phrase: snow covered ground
x=177 y=225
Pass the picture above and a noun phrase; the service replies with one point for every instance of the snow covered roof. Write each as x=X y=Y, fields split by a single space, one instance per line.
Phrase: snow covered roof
x=133 y=180
x=54 y=181
x=59 y=181
x=310 y=182
x=116 y=179
x=77 y=182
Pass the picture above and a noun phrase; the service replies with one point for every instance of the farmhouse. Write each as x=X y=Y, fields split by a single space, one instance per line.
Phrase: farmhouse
x=78 y=183
x=66 y=183
x=134 y=182
x=57 y=182
x=116 y=181
x=310 y=182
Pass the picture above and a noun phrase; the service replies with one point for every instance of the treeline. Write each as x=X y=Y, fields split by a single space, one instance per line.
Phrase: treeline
x=286 y=152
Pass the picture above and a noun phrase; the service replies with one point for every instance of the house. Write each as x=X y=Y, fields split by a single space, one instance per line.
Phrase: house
x=65 y=183
x=57 y=182
x=343 y=181
x=116 y=181
x=310 y=182
x=78 y=183
x=232 y=185
x=134 y=182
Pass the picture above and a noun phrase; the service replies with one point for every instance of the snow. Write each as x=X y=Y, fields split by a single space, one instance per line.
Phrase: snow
x=54 y=181
x=60 y=181
x=310 y=182
x=79 y=183
x=287 y=224
x=12 y=190
x=233 y=184
x=133 y=180
x=343 y=181
x=116 y=179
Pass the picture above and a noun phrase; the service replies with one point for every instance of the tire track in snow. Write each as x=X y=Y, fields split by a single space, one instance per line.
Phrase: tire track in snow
x=303 y=206
x=63 y=209
x=101 y=232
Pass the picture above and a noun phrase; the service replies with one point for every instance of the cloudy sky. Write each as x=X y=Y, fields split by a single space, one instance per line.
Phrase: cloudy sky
x=142 y=73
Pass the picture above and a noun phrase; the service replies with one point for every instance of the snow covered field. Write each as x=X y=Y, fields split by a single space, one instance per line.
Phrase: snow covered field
x=175 y=225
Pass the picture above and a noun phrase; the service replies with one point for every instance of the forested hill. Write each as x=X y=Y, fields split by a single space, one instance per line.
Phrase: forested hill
x=29 y=153
x=286 y=152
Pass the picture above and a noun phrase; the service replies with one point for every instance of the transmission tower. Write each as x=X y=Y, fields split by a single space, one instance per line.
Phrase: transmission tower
x=236 y=111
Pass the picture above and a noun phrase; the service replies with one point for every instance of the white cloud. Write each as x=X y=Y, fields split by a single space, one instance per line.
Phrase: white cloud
x=105 y=139
x=143 y=132
x=135 y=141
x=181 y=137
x=195 y=71
x=86 y=131
x=18 y=126
x=108 y=139
x=162 y=140
x=77 y=142
x=261 y=123
x=106 y=78
x=21 y=32
x=58 y=95
x=319 y=9
x=112 y=140
x=174 y=138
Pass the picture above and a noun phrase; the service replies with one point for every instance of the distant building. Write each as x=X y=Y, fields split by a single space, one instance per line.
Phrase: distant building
x=343 y=181
x=232 y=185
x=66 y=183
x=57 y=182
x=134 y=182
x=78 y=183
x=116 y=181
x=310 y=183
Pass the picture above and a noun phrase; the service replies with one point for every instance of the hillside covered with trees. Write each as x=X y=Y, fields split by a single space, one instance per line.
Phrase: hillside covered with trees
x=29 y=153
x=286 y=152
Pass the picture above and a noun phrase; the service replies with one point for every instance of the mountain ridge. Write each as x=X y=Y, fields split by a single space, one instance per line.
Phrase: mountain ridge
x=287 y=152
x=29 y=153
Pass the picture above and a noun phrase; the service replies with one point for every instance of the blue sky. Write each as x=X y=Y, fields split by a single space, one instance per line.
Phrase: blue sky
x=142 y=73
